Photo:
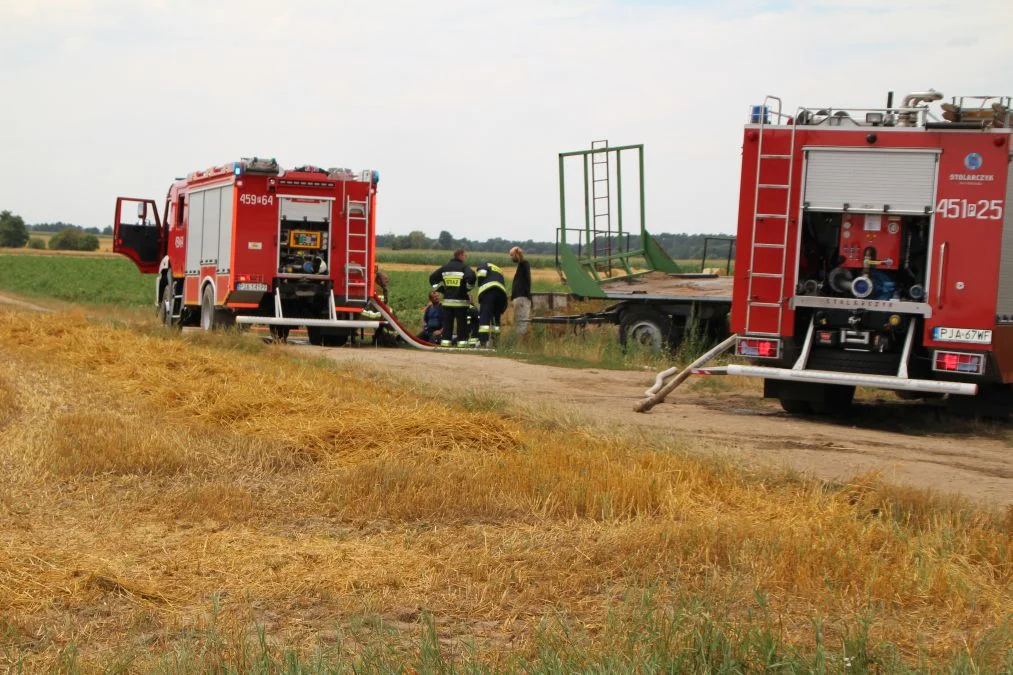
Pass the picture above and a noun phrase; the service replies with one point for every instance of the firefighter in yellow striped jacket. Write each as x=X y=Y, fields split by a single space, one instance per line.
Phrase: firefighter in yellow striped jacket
x=454 y=280
x=492 y=300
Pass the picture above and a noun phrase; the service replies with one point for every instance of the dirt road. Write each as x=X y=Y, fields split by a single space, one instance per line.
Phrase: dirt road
x=907 y=443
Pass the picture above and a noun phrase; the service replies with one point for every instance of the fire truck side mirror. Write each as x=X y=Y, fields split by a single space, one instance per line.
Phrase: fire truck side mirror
x=142 y=211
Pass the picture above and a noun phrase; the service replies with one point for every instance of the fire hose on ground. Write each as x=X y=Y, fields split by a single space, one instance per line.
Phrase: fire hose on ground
x=660 y=390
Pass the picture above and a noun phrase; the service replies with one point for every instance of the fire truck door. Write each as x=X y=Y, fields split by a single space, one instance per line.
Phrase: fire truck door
x=138 y=233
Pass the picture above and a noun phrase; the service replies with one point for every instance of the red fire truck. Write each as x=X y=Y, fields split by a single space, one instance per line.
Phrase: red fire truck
x=876 y=250
x=252 y=243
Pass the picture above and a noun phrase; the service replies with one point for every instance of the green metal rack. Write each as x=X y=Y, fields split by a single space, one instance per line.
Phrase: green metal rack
x=599 y=252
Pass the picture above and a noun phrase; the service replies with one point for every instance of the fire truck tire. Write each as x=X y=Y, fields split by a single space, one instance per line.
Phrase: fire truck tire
x=318 y=336
x=795 y=406
x=645 y=327
x=837 y=400
x=167 y=305
x=280 y=333
x=212 y=318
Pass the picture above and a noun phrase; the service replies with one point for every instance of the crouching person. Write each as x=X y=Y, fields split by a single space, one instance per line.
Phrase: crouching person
x=432 y=320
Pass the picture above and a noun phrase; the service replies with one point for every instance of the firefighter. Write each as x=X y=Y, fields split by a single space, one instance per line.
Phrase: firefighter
x=492 y=299
x=454 y=280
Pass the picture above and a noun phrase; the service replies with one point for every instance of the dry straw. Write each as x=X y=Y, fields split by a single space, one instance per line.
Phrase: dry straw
x=155 y=486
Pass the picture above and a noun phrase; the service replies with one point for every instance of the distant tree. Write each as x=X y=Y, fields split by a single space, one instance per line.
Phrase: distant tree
x=107 y=230
x=418 y=240
x=13 y=232
x=400 y=242
x=73 y=239
x=37 y=243
x=92 y=230
x=446 y=240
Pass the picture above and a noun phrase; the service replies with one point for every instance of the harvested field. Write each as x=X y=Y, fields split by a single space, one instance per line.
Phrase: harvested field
x=190 y=502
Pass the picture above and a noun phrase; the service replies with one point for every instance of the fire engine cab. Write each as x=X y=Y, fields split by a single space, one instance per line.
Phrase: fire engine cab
x=876 y=249
x=250 y=242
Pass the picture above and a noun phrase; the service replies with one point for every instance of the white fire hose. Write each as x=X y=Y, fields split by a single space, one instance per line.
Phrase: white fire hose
x=660 y=390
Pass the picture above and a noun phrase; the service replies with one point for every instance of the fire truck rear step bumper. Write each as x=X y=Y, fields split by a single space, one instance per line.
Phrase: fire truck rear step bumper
x=324 y=323
x=848 y=379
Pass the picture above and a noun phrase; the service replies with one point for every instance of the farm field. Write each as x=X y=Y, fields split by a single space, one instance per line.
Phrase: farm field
x=313 y=508
x=293 y=510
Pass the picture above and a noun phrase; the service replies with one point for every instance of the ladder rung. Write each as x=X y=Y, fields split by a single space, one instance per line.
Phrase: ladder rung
x=772 y=215
x=773 y=186
x=768 y=245
x=764 y=304
x=767 y=275
x=775 y=156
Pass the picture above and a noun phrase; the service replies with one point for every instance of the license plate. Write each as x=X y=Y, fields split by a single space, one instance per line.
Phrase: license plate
x=975 y=336
x=247 y=286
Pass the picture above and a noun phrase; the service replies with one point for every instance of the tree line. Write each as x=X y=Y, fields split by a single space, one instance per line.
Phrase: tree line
x=679 y=246
x=14 y=233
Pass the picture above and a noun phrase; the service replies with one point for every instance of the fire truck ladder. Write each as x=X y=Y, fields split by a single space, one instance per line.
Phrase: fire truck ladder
x=776 y=161
x=356 y=250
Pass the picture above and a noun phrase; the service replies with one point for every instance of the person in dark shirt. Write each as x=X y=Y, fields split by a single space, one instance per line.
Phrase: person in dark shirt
x=455 y=280
x=520 y=291
x=432 y=319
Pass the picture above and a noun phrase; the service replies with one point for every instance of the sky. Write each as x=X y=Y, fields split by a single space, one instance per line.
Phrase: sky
x=461 y=105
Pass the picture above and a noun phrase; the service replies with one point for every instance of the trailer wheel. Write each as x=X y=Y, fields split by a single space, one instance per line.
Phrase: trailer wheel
x=645 y=327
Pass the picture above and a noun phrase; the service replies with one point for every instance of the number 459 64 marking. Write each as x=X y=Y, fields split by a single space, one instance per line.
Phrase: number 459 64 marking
x=982 y=209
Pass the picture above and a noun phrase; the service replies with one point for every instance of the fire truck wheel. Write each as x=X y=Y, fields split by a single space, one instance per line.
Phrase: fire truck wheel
x=644 y=327
x=795 y=406
x=166 y=306
x=280 y=333
x=837 y=400
x=316 y=335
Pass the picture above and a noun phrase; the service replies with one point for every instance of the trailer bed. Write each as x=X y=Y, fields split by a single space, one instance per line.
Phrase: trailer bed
x=671 y=287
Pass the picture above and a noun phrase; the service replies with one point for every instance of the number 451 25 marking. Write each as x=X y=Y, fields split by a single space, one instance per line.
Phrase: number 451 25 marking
x=982 y=209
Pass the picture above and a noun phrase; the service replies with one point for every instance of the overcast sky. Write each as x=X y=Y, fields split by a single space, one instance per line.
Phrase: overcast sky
x=462 y=106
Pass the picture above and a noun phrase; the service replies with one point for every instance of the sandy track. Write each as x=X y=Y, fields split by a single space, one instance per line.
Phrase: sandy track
x=907 y=443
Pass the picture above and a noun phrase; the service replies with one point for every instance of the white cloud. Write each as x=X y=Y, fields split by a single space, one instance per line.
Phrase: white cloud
x=462 y=106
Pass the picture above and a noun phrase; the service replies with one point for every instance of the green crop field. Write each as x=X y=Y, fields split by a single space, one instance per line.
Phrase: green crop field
x=114 y=280
x=97 y=280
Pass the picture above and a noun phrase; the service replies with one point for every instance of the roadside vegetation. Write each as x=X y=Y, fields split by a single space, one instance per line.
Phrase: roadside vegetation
x=210 y=503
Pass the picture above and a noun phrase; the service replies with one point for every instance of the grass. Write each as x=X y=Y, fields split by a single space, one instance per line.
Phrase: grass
x=203 y=503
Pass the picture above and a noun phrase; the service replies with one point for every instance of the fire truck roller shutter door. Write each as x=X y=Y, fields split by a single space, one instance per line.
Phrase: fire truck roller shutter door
x=195 y=225
x=209 y=236
x=841 y=179
x=225 y=229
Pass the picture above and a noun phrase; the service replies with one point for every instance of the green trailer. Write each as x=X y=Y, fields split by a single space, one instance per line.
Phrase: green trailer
x=598 y=257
